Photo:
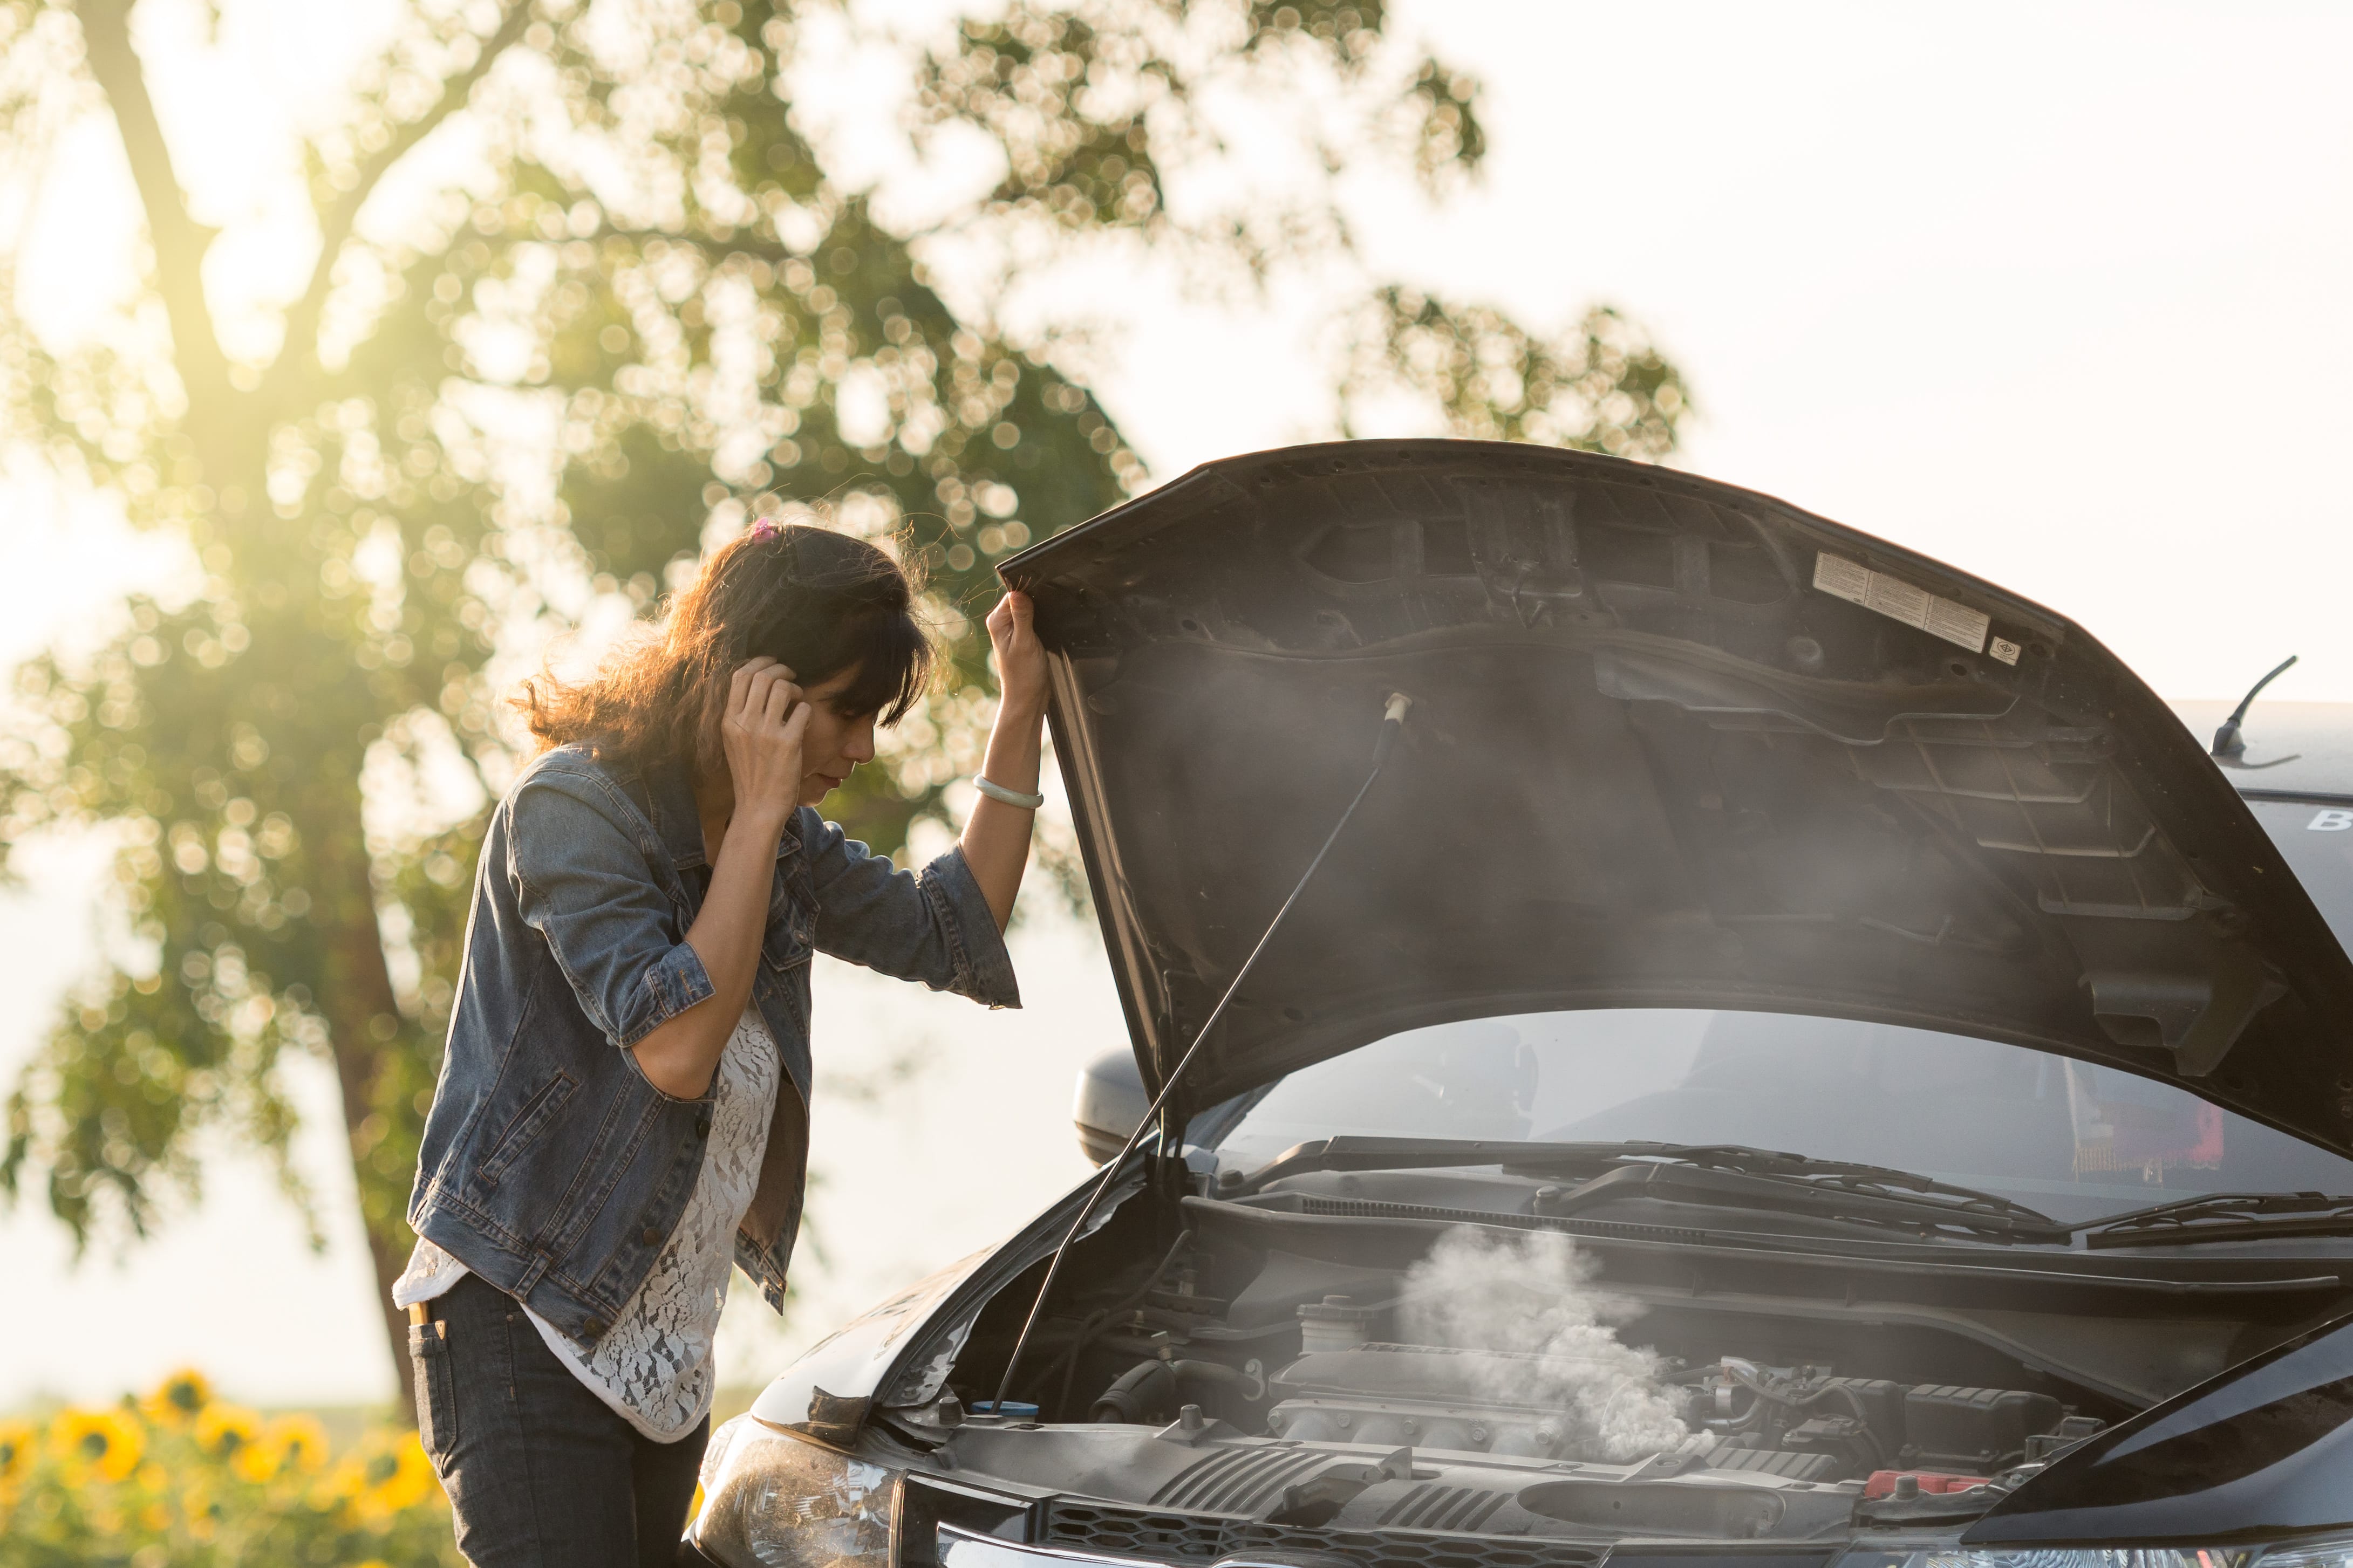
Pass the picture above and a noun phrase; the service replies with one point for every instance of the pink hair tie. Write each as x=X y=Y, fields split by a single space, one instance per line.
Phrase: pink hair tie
x=765 y=529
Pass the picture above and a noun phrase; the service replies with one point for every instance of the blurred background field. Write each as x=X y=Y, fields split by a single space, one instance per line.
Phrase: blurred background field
x=354 y=358
x=180 y=1476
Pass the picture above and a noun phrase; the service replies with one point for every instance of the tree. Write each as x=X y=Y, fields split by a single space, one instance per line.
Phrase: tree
x=639 y=309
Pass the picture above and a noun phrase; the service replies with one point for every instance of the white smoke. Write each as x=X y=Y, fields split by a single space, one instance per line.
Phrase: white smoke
x=1534 y=1296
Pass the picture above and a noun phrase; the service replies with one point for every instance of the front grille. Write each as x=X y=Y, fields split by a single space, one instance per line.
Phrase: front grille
x=1118 y=1531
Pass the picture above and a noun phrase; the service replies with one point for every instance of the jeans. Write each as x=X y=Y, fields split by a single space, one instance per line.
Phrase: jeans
x=539 y=1469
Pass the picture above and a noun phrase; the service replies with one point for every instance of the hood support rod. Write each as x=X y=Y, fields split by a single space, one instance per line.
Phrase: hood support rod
x=1392 y=725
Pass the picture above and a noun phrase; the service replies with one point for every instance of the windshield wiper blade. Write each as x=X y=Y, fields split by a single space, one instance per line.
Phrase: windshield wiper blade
x=1797 y=1183
x=1845 y=1176
x=1353 y=1154
x=1832 y=1188
x=2224 y=1216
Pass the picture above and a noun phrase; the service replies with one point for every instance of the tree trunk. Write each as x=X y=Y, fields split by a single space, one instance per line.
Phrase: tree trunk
x=363 y=1020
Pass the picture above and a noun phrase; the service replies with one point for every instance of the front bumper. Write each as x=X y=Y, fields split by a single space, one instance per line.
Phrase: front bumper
x=775 y=1500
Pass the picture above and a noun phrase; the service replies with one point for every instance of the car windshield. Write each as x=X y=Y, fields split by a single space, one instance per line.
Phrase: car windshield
x=2074 y=1141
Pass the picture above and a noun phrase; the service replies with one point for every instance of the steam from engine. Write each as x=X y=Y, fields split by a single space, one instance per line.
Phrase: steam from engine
x=1533 y=1298
x=1508 y=1347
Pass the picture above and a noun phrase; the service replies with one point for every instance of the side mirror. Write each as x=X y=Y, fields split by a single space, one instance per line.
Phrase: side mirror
x=1108 y=1103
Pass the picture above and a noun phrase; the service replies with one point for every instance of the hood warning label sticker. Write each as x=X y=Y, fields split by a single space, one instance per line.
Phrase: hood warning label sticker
x=1900 y=600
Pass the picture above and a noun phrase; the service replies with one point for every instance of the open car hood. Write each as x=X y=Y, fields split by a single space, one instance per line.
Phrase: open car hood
x=1674 y=744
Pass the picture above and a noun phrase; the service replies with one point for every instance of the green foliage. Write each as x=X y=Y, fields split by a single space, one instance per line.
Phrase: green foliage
x=644 y=314
x=1599 y=387
x=1099 y=109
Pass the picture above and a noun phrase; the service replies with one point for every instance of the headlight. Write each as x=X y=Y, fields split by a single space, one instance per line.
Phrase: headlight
x=2336 y=1551
x=770 y=1500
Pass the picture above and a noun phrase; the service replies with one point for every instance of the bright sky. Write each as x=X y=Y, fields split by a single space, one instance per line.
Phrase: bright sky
x=2055 y=293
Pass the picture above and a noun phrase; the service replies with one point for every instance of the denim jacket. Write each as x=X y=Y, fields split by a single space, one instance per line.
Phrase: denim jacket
x=551 y=1166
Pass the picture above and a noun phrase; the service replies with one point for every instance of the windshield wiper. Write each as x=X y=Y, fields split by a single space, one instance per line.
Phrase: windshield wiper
x=1346 y=1153
x=2224 y=1216
x=1842 y=1178
x=1717 y=1172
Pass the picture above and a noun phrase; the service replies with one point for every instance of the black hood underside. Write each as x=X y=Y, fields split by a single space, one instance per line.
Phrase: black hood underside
x=1674 y=744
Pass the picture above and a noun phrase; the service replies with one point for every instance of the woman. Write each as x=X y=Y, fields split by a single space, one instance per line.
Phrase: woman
x=623 y=1112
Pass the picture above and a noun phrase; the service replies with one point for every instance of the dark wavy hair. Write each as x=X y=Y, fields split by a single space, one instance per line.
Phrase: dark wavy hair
x=817 y=601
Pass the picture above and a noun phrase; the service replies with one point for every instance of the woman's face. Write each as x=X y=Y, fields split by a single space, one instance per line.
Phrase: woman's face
x=835 y=741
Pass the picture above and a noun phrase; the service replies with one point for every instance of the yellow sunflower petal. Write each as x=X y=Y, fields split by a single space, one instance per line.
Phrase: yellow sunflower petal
x=296 y=1443
x=103 y=1444
x=175 y=1400
x=255 y=1462
x=223 y=1429
x=126 y=1441
x=18 y=1439
x=398 y=1478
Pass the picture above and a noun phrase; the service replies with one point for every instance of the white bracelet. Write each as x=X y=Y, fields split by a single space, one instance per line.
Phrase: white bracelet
x=995 y=791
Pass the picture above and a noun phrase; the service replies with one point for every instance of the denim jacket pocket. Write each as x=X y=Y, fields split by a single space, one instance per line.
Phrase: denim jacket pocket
x=529 y=1125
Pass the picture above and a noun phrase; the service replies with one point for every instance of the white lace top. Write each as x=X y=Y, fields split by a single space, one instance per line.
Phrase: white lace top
x=655 y=1367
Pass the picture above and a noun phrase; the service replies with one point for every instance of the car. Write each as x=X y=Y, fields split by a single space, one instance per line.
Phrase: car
x=1663 y=1028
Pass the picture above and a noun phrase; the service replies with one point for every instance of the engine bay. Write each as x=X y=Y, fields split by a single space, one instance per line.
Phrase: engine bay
x=1382 y=1436
x=1387 y=1437
x=1799 y=1422
x=1285 y=1378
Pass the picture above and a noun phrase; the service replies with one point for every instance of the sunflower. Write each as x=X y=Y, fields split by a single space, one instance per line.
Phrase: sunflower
x=104 y=1444
x=223 y=1429
x=340 y=1485
x=398 y=1477
x=287 y=1443
x=202 y=1510
x=17 y=1441
x=254 y=1461
x=175 y=1400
